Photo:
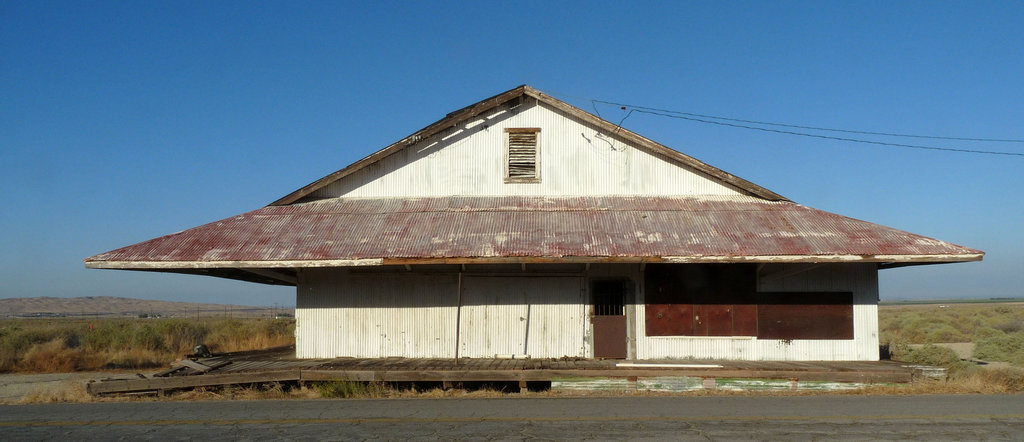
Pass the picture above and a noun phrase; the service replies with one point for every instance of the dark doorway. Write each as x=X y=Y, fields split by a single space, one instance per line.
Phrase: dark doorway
x=609 y=318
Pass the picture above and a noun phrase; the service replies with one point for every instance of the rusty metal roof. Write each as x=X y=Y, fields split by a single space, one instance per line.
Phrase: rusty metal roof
x=376 y=231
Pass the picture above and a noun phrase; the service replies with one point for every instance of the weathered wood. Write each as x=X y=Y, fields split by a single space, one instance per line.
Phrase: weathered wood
x=655 y=147
x=195 y=366
x=452 y=119
x=174 y=382
x=509 y=370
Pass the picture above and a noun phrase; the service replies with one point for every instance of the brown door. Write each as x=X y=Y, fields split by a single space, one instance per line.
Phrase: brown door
x=609 y=319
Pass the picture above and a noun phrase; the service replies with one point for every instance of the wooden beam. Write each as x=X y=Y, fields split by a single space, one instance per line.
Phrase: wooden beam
x=174 y=382
x=274 y=274
x=786 y=272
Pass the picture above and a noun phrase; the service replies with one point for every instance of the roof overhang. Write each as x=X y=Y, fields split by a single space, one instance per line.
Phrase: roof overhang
x=887 y=260
x=269 y=243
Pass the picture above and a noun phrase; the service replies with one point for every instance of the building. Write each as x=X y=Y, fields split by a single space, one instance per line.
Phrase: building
x=521 y=226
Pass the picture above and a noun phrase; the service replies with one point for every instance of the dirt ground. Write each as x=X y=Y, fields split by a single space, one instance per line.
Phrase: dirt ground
x=15 y=386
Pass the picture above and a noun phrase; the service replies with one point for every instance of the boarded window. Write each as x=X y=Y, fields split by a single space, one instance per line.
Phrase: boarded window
x=522 y=154
x=823 y=315
x=700 y=300
x=721 y=300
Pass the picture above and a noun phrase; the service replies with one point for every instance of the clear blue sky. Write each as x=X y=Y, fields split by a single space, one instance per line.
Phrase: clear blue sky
x=124 y=121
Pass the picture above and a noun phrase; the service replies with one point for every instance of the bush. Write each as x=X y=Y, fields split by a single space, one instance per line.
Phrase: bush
x=932 y=355
x=1002 y=348
x=54 y=356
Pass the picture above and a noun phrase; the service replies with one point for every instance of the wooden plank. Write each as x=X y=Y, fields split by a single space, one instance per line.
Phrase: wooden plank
x=206 y=380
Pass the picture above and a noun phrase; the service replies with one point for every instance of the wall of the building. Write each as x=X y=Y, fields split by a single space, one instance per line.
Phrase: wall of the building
x=860 y=279
x=366 y=315
x=504 y=311
x=575 y=159
x=345 y=312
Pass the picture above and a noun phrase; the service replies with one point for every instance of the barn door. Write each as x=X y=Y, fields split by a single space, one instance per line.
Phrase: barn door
x=608 y=298
x=536 y=316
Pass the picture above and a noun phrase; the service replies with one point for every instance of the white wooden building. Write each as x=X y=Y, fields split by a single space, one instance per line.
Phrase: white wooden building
x=521 y=226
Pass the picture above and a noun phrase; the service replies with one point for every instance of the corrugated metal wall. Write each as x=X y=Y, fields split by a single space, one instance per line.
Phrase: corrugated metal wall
x=574 y=160
x=414 y=315
x=861 y=279
x=543 y=317
x=373 y=315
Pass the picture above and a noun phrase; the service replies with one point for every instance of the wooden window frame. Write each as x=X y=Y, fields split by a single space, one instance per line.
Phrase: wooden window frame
x=536 y=163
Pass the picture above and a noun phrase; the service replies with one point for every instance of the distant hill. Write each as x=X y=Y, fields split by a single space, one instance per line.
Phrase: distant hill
x=107 y=306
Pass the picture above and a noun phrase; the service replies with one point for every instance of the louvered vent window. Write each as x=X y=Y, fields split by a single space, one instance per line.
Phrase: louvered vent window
x=523 y=155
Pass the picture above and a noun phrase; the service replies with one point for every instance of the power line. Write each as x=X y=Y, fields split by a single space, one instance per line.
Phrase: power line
x=795 y=126
x=827 y=137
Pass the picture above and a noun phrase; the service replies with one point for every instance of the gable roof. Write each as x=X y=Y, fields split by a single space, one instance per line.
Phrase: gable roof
x=472 y=111
x=267 y=244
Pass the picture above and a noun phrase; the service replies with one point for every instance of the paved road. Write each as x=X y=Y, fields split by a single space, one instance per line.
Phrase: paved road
x=962 y=417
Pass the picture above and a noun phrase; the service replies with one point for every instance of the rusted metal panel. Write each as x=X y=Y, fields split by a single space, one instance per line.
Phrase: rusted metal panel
x=824 y=315
x=713 y=320
x=609 y=336
x=358 y=230
x=707 y=292
x=861 y=279
x=744 y=320
x=669 y=319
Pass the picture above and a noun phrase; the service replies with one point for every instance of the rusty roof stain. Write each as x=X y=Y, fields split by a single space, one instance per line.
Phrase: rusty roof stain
x=521 y=228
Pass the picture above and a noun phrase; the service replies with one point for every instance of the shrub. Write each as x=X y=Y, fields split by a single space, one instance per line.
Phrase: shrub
x=932 y=355
x=1002 y=347
x=1010 y=326
x=54 y=356
x=181 y=336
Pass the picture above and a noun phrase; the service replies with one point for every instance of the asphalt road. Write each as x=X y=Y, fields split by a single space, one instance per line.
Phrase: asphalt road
x=959 y=417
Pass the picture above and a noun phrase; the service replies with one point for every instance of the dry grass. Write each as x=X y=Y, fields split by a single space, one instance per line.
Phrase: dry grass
x=68 y=345
x=68 y=391
x=997 y=329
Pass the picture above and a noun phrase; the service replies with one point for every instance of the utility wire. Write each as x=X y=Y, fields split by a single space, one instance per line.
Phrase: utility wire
x=827 y=137
x=764 y=123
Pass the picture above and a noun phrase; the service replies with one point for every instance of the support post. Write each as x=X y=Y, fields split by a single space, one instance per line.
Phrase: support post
x=458 y=318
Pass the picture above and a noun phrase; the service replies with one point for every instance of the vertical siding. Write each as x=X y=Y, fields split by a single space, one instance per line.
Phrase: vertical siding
x=340 y=314
x=414 y=315
x=574 y=160
x=861 y=279
x=543 y=317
